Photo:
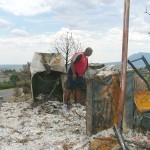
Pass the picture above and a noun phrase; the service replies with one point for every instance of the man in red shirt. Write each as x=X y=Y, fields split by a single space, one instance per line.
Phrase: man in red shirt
x=75 y=80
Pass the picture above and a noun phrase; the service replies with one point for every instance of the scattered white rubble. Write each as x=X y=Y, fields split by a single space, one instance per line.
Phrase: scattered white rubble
x=46 y=127
x=137 y=140
x=42 y=128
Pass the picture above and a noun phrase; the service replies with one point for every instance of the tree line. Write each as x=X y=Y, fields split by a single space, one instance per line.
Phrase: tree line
x=18 y=79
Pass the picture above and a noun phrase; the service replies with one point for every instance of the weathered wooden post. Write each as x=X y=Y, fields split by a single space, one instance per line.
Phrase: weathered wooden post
x=124 y=61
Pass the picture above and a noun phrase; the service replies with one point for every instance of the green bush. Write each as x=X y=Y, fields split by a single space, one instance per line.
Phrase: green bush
x=6 y=85
x=14 y=78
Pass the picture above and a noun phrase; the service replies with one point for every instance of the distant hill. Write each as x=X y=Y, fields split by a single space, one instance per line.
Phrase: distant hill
x=135 y=56
x=10 y=66
x=140 y=63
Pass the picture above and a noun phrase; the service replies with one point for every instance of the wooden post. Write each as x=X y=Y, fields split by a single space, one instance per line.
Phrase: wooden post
x=124 y=61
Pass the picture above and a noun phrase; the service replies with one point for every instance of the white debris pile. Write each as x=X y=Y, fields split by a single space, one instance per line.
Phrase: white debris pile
x=107 y=71
x=46 y=127
x=42 y=128
x=132 y=139
x=105 y=133
x=102 y=72
x=137 y=140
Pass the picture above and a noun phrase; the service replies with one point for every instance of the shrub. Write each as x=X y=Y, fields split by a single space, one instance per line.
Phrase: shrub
x=25 y=84
x=6 y=85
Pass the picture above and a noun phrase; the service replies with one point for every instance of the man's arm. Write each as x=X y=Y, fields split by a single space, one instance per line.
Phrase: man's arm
x=73 y=71
x=75 y=60
x=72 y=67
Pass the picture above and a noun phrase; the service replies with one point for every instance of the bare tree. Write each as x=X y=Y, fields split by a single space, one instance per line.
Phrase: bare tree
x=66 y=45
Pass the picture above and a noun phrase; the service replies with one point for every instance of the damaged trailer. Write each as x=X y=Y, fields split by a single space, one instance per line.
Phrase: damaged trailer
x=48 y=75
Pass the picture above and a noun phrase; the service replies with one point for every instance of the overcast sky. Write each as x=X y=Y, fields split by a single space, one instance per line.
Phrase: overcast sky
x=29 y=26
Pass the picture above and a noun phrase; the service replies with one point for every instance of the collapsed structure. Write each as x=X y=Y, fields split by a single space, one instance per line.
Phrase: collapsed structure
x=100 y=94
x=48 y=75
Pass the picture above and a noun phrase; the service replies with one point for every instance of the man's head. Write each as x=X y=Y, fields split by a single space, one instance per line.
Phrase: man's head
x=88 y=51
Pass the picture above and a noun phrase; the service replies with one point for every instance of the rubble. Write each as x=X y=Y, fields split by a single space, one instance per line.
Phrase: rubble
x=133 y=140
x=42 y=128
x=46 y=127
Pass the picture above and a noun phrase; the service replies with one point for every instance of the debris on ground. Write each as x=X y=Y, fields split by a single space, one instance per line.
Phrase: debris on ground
x=42 y=128
x=107 y=139
x=46 y=127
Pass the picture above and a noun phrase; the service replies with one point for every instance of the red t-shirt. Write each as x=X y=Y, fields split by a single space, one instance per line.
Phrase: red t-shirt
x=80 y=63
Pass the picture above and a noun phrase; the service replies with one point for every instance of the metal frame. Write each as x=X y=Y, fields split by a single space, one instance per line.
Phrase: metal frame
x=136 y=70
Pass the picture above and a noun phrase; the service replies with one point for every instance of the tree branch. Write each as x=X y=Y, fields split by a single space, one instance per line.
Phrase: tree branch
x=66 y=45
x=147 y=12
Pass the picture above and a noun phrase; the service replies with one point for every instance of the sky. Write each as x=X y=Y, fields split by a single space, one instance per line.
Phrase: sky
x=27 y=27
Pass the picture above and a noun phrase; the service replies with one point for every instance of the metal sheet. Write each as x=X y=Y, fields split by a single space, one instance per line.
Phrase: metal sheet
x=102 y=102
x=142 y=100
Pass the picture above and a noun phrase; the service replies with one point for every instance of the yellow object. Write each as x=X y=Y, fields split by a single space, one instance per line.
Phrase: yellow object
x=103 y=143
x=142 y=100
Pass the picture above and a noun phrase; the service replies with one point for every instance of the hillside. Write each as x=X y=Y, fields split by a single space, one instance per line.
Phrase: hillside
x=138 y=63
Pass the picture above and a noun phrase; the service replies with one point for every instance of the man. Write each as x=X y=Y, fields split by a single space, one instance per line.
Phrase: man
x=75 y=80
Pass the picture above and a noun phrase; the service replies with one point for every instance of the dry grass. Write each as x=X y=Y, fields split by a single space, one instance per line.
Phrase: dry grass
x=140 y=84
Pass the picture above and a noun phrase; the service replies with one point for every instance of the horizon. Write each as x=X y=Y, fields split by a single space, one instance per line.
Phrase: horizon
x=89 y=62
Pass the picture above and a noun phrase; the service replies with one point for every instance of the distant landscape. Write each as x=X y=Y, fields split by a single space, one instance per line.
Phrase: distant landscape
x=10 y=66
x=138 y=64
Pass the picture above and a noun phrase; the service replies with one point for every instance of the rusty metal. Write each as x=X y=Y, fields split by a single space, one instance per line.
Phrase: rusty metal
x=99 y=96
x=144 y=60
x=146 y=63
x=136 y=70
x=103 y=143
x=124 y=61
x=141 y=76
x=120 y=138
